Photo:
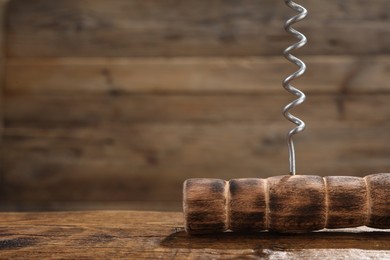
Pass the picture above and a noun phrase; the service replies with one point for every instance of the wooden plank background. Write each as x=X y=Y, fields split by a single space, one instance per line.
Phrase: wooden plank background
x=90 y=28
x=117 y=103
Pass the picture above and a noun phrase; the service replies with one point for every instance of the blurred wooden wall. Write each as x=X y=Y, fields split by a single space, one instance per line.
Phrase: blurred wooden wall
x=120 y=101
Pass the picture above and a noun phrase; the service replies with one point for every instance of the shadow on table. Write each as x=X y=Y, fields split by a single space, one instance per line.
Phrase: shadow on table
x=370 y=240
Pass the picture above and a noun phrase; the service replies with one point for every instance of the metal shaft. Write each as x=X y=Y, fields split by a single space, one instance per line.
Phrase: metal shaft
x=286 y=83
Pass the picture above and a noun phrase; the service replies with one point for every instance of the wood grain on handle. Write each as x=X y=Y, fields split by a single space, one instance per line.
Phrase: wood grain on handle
x=286 y=203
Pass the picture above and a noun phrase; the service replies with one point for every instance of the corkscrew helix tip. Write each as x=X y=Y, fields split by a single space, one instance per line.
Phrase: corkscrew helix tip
x=286 y=82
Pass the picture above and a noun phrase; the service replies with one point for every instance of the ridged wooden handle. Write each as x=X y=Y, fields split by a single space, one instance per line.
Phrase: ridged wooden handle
x=286 y=203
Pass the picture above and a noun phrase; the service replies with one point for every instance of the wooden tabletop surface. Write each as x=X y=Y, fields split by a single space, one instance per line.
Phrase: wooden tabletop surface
x=152 y=235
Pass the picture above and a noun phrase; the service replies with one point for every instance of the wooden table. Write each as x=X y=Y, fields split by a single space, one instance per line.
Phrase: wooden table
x=137 y=235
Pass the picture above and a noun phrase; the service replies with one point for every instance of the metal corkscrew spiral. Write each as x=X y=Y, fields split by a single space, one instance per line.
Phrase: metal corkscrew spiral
x=286 y=82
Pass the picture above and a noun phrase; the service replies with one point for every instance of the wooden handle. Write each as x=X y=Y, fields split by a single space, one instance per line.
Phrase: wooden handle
x=286 y=203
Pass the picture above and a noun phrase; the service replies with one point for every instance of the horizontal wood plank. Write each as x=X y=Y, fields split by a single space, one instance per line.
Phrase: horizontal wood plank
x=75 y=28
x=45 y=206
x=146 y=162
x=155 y=235
x=86 y=111
x=114 y=76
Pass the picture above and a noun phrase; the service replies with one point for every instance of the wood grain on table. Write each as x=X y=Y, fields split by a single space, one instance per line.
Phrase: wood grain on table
x=152 y=235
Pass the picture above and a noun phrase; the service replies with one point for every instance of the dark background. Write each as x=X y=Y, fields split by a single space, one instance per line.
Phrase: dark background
x=113 y=104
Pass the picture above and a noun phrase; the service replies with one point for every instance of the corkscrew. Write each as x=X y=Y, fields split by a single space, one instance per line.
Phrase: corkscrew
x=286 y=83
x=287 y=203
